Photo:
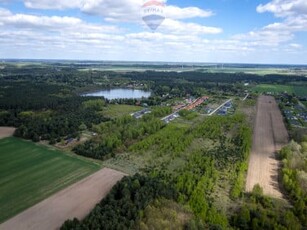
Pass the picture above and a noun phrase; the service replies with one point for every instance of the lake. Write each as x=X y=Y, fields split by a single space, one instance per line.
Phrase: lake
x=120 y=93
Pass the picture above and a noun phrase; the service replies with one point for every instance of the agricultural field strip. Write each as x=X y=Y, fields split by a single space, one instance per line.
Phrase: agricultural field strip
x=75 y=201
x=269 y=136
x=32 y=173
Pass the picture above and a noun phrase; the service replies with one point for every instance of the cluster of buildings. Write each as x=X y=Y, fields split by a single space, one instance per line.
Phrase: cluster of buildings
x=225 y=109
x=191 y=104
x=196 y=103
x=170 y=118
x=294 y=111
x=296 y=116
x=140 y=114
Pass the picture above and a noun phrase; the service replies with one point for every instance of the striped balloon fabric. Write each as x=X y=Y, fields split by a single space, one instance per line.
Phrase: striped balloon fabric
x=153 y=14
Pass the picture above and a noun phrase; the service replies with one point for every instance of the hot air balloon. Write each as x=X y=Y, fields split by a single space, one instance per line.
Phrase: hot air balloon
x=153 y=14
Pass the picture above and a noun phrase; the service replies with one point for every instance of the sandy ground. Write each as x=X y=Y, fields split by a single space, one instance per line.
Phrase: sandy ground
x=75 y=201
x=270 y=135
x=6 y=132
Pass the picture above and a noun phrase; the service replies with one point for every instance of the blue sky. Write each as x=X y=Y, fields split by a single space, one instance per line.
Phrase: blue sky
x=235 y=31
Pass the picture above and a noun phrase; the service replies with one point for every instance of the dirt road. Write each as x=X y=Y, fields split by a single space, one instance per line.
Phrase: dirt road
x=270 y=135
x=75 y=201
x=6 y=132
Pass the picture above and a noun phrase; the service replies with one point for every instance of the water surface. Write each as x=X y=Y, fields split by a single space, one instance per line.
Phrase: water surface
x=120 y=93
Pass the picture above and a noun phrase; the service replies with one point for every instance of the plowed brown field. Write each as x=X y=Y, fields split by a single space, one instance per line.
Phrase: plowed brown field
x=75 y=201
x=270 y=135
x=6 y=132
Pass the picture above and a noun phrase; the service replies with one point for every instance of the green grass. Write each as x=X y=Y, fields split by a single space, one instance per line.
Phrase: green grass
x=298 y=90
x=119 y=110
x=30 y=173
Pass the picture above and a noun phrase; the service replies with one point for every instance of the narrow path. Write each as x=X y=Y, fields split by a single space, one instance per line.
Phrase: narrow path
x=245 y=97
x=75 y=201
x=214 y=111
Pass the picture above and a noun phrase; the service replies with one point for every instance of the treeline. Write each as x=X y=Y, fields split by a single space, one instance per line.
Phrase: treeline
x=55 y=127
x=20 y=96
x=260 y=212
x=194 y=83
x=294 y=177
x=200 y=77
x=122 y=207
x=117 y=135
x=42 y=110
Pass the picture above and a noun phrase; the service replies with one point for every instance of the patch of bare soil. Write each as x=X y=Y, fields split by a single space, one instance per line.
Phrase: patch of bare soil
x=75 y=201
x=6 y=132
x=270 y=135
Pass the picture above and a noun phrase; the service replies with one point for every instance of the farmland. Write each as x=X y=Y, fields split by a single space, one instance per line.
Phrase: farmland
x=30 y=173
x=270 y=135
x=71 y=202
x=276 y=89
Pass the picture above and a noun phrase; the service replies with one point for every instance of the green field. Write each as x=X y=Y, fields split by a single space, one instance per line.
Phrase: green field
x=119 y=110
x=298 y=90
x=30 y=173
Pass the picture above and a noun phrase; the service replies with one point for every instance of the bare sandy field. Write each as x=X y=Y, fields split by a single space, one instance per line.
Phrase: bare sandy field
x=270 y=135
x=6 y=132
x=75 y=201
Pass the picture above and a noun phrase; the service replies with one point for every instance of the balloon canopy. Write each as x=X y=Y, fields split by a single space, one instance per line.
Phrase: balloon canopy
x=153 y=14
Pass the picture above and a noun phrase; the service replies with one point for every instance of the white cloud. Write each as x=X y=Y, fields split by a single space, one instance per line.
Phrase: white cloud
x=116 y=10
x=120 y=10
x=45 y=23
x=4 y=12
x=295 y=45
x=265 y=37
x=53 y=4
x=178 y=27
x=294 y=14
x=284 y=8
x=175 y=12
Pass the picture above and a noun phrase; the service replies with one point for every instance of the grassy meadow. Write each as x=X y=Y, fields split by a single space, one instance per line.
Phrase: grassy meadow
x=119 y=110
x=30 y=173
x=298 y=90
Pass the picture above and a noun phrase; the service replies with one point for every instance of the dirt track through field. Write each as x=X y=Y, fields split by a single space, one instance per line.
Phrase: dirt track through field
x=6 y=132
x=75 y=201
x=270 y=135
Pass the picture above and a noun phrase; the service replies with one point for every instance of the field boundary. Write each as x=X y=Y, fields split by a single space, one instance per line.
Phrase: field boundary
x=76 y=200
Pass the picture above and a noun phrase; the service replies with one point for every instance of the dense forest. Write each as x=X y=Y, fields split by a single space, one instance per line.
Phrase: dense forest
x=117 y=135
x=122 y=207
